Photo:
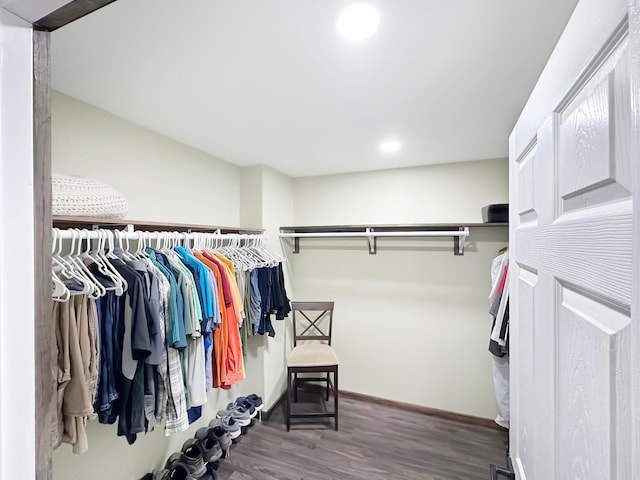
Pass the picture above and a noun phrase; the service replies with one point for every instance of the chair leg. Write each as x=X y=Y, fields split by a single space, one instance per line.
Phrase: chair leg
x=295 y=387
x=335 y=394
x=288 y=412
x=327 y=386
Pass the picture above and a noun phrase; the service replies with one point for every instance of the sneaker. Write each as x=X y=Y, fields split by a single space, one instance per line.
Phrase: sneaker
x=211 y=472
x=245 y=404
x=209 y=444
x=193 y=458
x=238 y=413
x=255 y=400
x=228 y=424
x=163 y=474
x=180 y=471
x=190 y=457
x=222 y=436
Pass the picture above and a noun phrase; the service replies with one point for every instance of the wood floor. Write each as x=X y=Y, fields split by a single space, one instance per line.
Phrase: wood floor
x=374 y=442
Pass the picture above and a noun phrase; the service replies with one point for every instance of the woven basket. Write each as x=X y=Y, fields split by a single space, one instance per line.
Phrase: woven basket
x=86 y=197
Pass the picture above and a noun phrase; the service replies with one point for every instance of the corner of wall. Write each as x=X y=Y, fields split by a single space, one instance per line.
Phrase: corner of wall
x=267 y=202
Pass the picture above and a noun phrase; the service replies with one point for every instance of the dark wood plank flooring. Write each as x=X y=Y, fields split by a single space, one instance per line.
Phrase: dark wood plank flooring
x=374 y=442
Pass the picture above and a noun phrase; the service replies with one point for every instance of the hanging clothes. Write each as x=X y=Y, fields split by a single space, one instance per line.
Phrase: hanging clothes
x=77 y=351
x=233 y=362
x=499 y=310
x=141 y=337
x=255 y=301
x=273 y=298
x=499 y=338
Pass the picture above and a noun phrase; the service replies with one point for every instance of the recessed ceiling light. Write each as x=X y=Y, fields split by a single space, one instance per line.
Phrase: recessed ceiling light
x=390 y=146
x=358 y=22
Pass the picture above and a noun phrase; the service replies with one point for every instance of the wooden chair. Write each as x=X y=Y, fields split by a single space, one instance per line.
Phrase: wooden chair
x=312 y=353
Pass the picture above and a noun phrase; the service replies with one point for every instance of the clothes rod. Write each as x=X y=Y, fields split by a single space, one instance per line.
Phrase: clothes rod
x=459 y=237
x=84 y=234
x=435 y=233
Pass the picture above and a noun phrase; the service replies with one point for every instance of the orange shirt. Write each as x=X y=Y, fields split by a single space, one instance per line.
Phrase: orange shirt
x=220 y=333
x=233 y=363
x=235 y=290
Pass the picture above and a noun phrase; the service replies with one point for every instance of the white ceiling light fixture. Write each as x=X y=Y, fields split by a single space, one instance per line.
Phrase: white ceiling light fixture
x=358 y=22
x=390 y=146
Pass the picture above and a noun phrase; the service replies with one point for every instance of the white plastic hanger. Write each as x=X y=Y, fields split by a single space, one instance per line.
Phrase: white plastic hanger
x=120 y=238
x=66 y=269
x=262 y=260
x=102 y=263
x=59 y=291
x=88 y=286
x=79 y=257
x=106 y=256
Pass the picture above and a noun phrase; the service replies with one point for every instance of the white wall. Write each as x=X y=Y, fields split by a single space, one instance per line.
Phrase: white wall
x=267 y=202
x=163 y=181
x=277 y=210
x=441 y=193
x=17 y=354
x=251 y=197
x=411 y=321
x=267 y=195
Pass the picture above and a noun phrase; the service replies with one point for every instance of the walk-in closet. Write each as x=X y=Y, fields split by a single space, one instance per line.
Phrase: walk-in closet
x=319 y=240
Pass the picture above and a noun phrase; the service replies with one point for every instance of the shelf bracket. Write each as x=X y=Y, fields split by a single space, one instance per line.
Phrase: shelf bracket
x=296 y=245
x=458 y=241
x=372 y=241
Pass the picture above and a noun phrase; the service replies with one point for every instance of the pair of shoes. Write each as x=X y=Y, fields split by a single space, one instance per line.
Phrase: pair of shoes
x=254 y=400
x=188 y=464
x=216 y=431
x=211 y=444
x=243 y=405
x=243 y=410
x=239 y=413
x=226 y=424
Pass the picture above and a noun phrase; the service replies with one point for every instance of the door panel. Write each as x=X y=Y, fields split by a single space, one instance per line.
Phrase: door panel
x=526 y=188
x=596 y=164
x=589 y=331
x=526 y=287
x=584 y=141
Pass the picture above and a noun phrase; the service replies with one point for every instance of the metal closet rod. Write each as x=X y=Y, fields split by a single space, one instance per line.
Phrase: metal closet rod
x=373 y=233
x=84 y=234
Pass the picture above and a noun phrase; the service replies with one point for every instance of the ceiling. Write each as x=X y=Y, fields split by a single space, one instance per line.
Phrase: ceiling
x=259 y=82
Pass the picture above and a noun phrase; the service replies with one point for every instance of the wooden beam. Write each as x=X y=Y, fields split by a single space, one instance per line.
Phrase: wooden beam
x=45 y=379
x=68 y=13
x=119 y=223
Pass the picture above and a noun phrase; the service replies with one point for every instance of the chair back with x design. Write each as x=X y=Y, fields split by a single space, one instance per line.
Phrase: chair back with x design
x=312 y=321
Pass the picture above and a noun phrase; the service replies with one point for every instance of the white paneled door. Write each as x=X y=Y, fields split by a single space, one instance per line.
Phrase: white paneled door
x=575 y=332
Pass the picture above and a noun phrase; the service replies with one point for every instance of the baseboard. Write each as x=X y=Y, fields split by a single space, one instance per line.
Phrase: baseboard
x=411 y=407
x=434 y=412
